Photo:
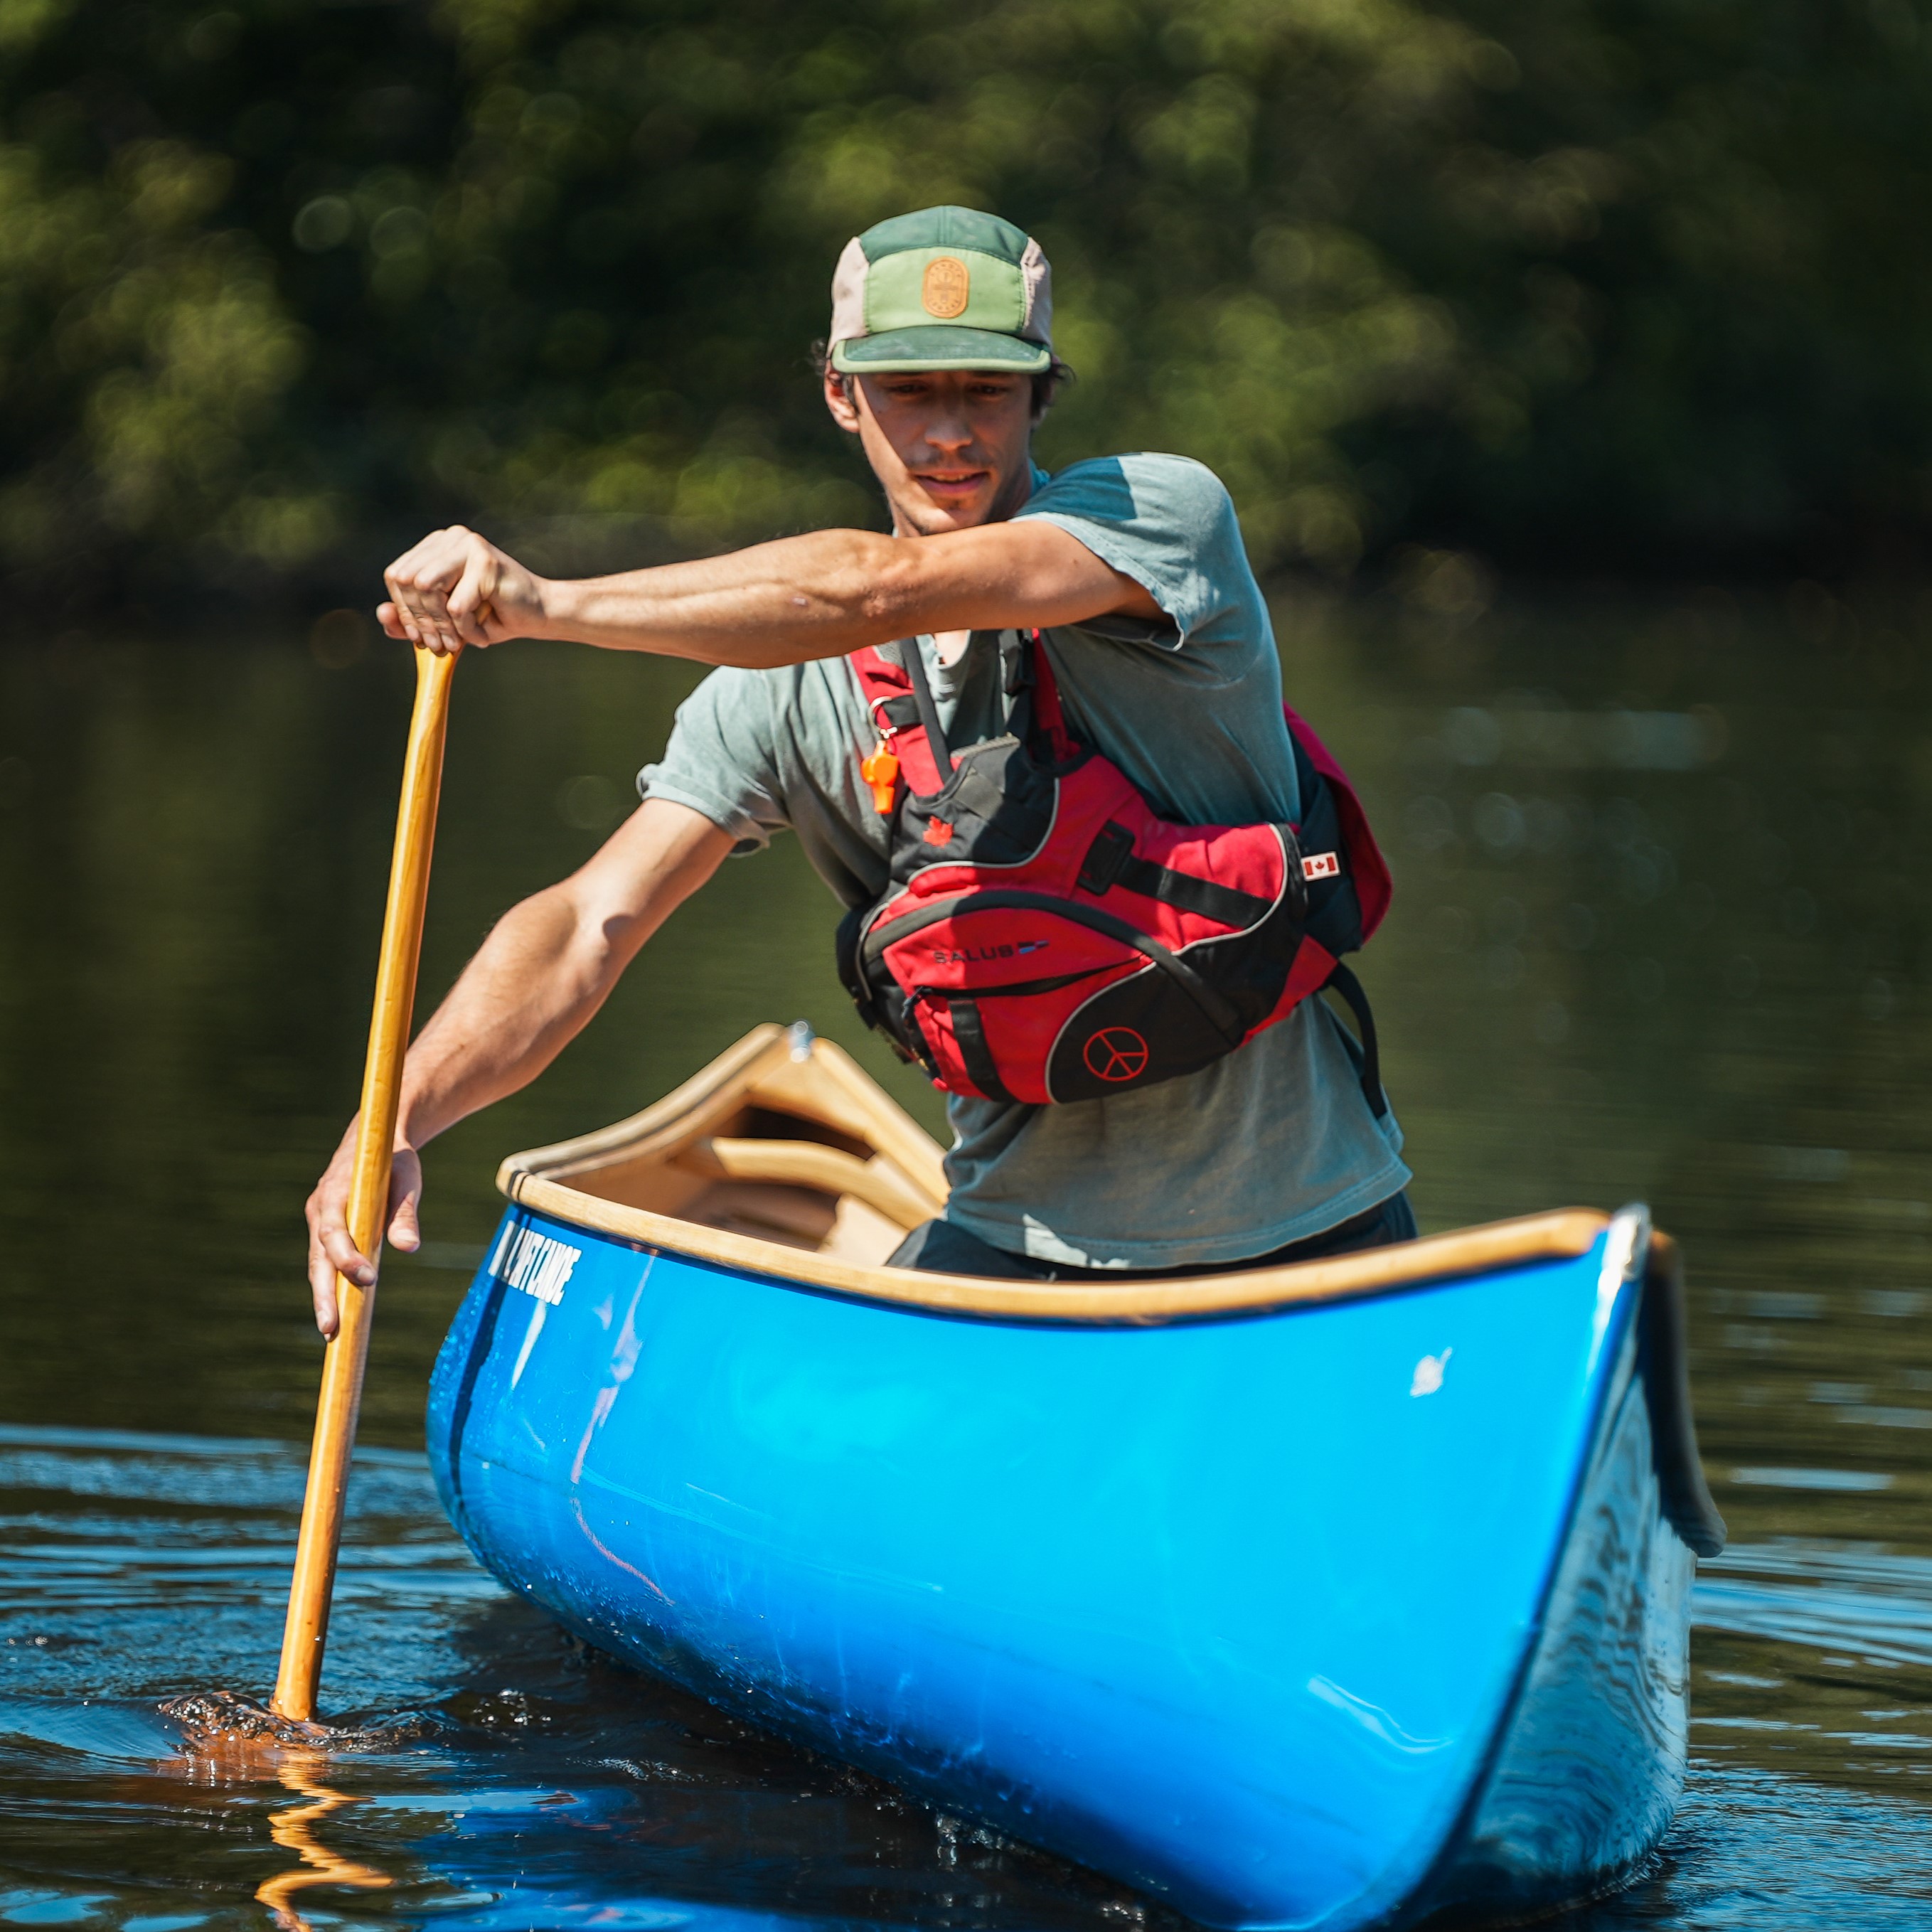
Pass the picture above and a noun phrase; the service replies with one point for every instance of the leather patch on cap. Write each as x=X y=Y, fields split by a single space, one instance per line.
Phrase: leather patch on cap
x=947 y=287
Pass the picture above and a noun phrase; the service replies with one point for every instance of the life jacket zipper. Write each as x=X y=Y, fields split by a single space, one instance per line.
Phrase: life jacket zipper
x=1049 y=985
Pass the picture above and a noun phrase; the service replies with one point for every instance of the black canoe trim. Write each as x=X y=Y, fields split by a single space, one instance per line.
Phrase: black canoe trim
x=1664 y=1358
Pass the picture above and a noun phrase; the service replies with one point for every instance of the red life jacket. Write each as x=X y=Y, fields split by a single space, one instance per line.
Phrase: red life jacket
x=1046 y=937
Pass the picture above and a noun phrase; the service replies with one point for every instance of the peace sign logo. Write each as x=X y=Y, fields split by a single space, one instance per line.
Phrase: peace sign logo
x=1116 y=1053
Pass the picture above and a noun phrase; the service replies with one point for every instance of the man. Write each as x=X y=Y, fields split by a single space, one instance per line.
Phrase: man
x=1132 y=569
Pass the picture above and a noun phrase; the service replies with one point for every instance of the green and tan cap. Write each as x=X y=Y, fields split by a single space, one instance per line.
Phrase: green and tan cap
x=947 y=288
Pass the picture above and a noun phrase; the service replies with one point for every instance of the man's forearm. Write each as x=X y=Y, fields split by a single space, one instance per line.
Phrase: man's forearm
x=820 y=595
x=833 y=592
x=549 y=965
x=530 y=990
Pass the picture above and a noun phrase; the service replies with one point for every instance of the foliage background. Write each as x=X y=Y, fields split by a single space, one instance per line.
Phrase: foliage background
x=1623 y=287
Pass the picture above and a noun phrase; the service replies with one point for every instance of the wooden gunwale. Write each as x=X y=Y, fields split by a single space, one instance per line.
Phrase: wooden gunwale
x=906 y=1180
x=1560 y=1236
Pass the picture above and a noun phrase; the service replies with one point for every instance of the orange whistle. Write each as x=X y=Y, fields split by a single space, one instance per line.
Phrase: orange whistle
x=881 y=770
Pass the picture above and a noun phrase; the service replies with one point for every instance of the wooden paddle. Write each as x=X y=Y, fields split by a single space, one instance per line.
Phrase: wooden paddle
x=306 y=1630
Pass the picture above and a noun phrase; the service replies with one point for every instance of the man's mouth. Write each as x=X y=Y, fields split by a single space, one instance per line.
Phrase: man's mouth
x=945 y=483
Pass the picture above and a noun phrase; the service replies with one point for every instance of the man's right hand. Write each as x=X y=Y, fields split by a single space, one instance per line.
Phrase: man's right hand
x=456 y=588
x=330 y=1250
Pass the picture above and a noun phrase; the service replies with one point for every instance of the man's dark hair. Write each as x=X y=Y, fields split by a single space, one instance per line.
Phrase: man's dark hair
x=1046 y=385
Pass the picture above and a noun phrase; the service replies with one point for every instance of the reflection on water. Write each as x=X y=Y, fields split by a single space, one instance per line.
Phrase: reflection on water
x=299 y=1830
x=1655 y=937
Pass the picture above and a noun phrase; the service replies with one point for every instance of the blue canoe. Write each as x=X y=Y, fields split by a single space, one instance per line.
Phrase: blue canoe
x=1325 y=1596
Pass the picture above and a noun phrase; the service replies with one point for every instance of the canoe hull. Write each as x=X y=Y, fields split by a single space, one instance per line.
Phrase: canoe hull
x=1292 y=1620
x=1588 y=1770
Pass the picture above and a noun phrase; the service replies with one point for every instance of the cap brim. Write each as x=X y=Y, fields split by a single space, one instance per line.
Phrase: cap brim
x=900 y=352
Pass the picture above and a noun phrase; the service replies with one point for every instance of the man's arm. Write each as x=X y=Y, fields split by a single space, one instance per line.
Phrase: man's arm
x=546 y=967
x=820 y=595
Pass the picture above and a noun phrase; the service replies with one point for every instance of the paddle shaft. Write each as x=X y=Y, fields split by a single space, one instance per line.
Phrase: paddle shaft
x=306 y=1632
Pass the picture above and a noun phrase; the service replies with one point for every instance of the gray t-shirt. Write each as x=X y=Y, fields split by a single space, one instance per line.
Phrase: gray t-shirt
x=1272 y=1144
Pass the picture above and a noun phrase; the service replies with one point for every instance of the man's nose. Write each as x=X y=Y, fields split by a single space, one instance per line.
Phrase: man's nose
x=949 y=432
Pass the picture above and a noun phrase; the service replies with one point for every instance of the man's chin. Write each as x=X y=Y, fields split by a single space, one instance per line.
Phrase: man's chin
x=935 y=518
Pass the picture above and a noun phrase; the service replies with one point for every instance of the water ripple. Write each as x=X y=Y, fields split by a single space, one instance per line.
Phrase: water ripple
x=1835 y=1597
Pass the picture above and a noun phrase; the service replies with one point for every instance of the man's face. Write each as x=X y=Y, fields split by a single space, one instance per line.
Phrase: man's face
x=952 y=448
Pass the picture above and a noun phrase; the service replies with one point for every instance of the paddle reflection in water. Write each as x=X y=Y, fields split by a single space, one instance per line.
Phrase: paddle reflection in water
x=227 y=1738
x=294 y=1829
x=1673 y=955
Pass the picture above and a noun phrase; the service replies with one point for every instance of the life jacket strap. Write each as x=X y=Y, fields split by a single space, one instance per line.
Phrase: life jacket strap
x=1047 y=714
x=1112 y=861
x=1350 y=988
x=898 y=693
x=893 y=702
x=970 y=1030
x=928 y=710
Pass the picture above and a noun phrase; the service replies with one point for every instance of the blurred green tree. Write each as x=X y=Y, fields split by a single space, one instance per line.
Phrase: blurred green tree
x=1600 y=284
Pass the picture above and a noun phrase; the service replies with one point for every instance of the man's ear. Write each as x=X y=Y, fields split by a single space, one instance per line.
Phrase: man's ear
x=839 y=401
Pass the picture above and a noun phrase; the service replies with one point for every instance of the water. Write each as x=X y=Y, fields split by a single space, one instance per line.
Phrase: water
x=1656 y=936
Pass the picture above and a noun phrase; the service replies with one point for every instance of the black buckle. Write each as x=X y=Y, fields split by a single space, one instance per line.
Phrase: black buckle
x=1016 y=661
x=1113 y=845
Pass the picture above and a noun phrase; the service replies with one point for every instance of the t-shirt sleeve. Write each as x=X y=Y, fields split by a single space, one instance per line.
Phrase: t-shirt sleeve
x=721 y=759
x=1166 y=521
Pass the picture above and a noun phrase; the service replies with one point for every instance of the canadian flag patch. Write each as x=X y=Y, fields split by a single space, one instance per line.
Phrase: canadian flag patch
x=1321 y=866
